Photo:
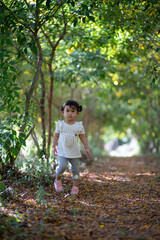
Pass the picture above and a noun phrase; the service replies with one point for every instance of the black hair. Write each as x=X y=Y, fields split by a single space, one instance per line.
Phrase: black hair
x=72 y=103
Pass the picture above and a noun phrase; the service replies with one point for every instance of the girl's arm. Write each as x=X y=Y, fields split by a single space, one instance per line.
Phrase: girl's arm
x=54 y=143
x=84 y=142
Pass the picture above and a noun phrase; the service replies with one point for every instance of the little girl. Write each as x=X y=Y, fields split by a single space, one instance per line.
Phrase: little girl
x=66 y=134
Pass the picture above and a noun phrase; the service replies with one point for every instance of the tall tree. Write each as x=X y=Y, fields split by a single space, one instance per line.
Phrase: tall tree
x=27 y=22
x=100 y=49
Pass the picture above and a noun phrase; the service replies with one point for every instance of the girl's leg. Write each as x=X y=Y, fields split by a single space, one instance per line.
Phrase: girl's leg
x=62 y=165
x=75 y=173
x=75 y=169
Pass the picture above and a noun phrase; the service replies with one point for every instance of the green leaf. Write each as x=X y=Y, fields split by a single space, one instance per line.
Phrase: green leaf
x=9 y=42
x=84 y=19
x=48 y=3
x=22 y=141
x=75 y=22
x=34 y=49
x=2 y=186
x=22 y=135
x=91 y=18
x=14 y=132
x=18 y=110
x=25 y=51
x=16 y=94
x=14 y=152
x=20 y=28
x=13 y=69
x=1 y=54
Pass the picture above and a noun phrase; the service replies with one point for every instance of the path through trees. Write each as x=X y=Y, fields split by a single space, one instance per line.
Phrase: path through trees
x=119 y=199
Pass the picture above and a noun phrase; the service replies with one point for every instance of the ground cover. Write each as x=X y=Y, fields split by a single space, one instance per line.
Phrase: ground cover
x=119 y=199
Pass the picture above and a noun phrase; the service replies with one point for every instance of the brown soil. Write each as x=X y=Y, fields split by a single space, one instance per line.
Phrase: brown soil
x=118 y=199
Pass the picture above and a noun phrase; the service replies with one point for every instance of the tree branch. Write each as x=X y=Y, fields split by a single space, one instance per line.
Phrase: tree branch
x=15 y=17
x=34 y=137
x=64 y=30
x=30 y=132
x=27 y=4
x=29 y=95
x=59 y=6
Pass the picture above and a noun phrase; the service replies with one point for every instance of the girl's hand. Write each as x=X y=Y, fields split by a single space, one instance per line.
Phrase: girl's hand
x=88 y=153
x=55 y=152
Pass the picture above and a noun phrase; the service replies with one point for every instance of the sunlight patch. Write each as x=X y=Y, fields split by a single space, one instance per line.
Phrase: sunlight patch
x=145 y=174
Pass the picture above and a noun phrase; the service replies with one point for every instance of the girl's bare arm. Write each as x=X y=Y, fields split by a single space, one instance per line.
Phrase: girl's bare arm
x=85 y=144
x=54 y=143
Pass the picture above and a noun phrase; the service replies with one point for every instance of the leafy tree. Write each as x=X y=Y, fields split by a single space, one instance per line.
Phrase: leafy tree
x=36 y=29
x=97 y=48
x=115 y=64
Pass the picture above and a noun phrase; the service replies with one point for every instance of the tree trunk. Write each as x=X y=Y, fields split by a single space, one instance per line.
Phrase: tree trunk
x=50 y=97
x=29 y=94
x=42 y=111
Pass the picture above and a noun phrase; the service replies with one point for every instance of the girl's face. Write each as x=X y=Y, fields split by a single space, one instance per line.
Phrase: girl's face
x=70 y=114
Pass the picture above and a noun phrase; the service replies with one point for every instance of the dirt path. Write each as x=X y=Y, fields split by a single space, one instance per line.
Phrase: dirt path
x=119 y=199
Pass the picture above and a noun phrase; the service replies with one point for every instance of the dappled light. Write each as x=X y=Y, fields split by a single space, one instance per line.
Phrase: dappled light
x=116 y=193
x=105 y=55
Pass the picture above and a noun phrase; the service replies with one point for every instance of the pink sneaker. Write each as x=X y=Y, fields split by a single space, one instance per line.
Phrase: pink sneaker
x=75 y=190
x=58 y=186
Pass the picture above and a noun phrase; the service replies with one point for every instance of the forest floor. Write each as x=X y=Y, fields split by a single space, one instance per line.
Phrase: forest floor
x=118 y=199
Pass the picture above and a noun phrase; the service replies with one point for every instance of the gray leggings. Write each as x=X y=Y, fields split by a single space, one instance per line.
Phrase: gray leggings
x=63 y=163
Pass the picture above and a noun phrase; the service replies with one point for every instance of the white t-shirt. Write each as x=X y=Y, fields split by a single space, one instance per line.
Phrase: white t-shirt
x=68 y=139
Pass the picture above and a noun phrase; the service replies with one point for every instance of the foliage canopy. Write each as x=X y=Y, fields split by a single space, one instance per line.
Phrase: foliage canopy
x=103 y=53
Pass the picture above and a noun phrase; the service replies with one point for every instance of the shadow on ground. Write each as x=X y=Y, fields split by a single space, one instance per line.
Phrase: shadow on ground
x=118 y=199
